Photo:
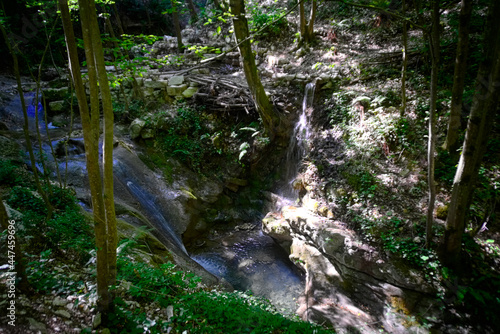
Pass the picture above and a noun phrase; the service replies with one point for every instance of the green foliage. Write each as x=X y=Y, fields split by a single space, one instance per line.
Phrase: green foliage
x=222 y=312
x=390 y=232
x=135 y=109
x=339 y=107
x=363 y=182
x=24 y=199
x=69 y=230
x=12 y=175
x=164 y=281
x=260 y=17
x=445 y=168
x=46 y=277
x=66 y=230
x=187 y=138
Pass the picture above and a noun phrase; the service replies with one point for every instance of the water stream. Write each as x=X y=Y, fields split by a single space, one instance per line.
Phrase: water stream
x=244 y=257
x=250 y=260
x=298 y=148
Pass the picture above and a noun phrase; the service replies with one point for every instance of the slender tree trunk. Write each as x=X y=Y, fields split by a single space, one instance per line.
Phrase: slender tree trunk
x=177 y=26
x=312 y=18
x=192 y=11
x=118 y=20
x=90 y=126
x=302 y=22
x=452 y=144
x=13 y=245
x=405 y=62
x=306 y=27
x=218 y=5
x=435 y=49
x=484 y=106
x=107 y=106
x=270 y=118
x=26 y=132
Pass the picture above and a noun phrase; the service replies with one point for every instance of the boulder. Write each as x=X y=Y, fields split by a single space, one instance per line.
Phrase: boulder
x=9 y=148
x=348 y=283
x=155 y=84
x=176 y=80
x=56 y=94
x=176 y=90
x=36 y=326
x=57 y=106
x=147 y=133
x=189 y=92
x=136 y=127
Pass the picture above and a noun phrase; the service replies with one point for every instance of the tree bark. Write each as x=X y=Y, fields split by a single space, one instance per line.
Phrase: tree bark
x=452 y=144
x=26 y=133
x=19 y=267
x=306 y=27
x=405 y=62
x=192 y=11
x=177 y=26
x=107 y=106
x=90 y=126
x=484 y=106
x=435 y=49
x=270 y=118
x=118 y=20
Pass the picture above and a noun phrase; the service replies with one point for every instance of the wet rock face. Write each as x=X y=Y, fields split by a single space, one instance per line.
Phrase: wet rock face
x=348 y=282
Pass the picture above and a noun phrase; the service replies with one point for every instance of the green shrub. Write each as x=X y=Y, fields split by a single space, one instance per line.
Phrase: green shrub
x=23 y=199
x=12 y=175
x=260 y=16
x=69 y=230
x=187 y=138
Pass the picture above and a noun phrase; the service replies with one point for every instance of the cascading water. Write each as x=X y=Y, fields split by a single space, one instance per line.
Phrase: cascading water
x=248 y=259
x=298 y=146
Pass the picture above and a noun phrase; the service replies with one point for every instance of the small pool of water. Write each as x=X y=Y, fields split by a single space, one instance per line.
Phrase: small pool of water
x=250 y=260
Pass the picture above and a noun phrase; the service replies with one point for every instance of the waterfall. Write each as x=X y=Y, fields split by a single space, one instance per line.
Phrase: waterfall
x=299 y=145
x=149 y=204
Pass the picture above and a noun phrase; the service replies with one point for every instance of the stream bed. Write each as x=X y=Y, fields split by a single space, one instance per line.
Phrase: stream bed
x=251 y=261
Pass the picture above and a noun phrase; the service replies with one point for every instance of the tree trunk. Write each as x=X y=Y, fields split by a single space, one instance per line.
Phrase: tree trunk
x=12 y=245
x=90 y=126
x=484 y=106
x=312 y=18
x=218 y=5
x=118 y=20
x=434 y=47
x=306 y=27
x=270 y=118
x=192 y=11
x=452 y=144
x=177 y=26
x=107 y=106
x=26 y=133
x=405 y=62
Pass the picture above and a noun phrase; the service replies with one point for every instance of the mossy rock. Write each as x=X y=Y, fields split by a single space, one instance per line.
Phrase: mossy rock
x=442 y=212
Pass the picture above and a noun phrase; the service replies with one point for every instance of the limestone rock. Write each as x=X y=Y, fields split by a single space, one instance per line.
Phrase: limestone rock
x=57 y=106
x=176 y=80
x=9 y=148
x=155 y=84
x=188 y=93
x=176 y=90
x=96 y=320
x=136 y=127
x=63 y=313
x=36 y=326
x=346 y=279
x=56 y=94
x=58 y=301
x=147 y=133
